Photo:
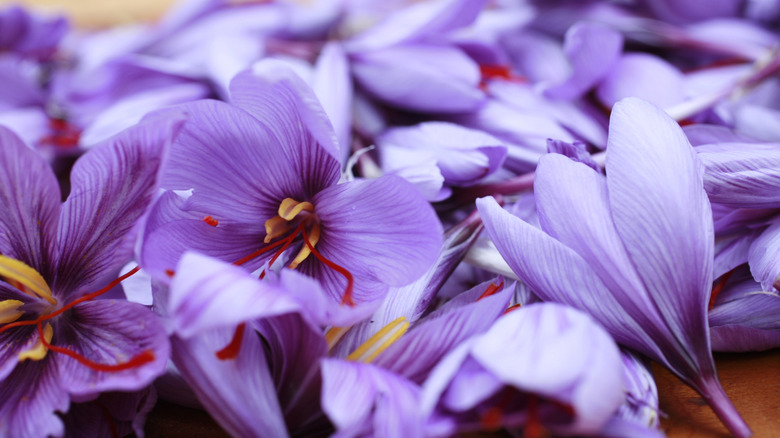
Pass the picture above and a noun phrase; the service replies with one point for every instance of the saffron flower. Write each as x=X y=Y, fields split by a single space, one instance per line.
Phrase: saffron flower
x=634 y=249
x=264 y=179
x=59 y=340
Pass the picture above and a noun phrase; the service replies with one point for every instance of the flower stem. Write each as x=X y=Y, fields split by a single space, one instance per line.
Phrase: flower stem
x=710 y=388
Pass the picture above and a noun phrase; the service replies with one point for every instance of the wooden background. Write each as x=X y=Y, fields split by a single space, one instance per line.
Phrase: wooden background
x=751 y=380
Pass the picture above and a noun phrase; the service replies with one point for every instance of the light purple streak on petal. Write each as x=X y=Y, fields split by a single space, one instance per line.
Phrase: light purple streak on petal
x=232 y=391
x=464 y=155
x=29 y=204
x=207 y=293
x=110 y=332
x=369 y=226
x=332 y=84
x=540 y=259
x=645 y=76
x=732 y=251
x=364 y=399
x=29 y=398
x=272 y=93
x=565 y=356
x=760 y=122
x=764 y=257
x=19 y=86
x=128 y=111
x=416 y=353
x=592 y=50
x=230 y=54
x=417 y=21
x=537 y=57
x=663 y=215
x=641 y=404
x=576 y=151
x=31 y=124
x=701 y=133
x=742 y=174
x=138 y=287
x=425 y=78
x=419 y=167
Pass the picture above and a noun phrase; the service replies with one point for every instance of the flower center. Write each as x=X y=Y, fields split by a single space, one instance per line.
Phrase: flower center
x=30 y=282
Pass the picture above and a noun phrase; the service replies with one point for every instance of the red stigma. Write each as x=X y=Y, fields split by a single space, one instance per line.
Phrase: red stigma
x=136 y=361
x=716 y=290
x=170 y=272
x=512 y=308
x=232 y=349
x=211 y=221
x=503 y=72
x=63 y=134
x=347 y=298
x=533 y=427
x=491 y=290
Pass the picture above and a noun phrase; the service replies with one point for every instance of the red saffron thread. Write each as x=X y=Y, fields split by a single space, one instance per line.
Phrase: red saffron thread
x=211 y=221
x=232 y=349
x=491 y=290
x=716 y=290
x=347 y=299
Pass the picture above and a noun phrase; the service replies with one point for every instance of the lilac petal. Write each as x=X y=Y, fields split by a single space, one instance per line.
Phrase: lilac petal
x=589 y=378
x=418 y=351
x=28 y=408
x=538 y=57
x=233 y=391
x=427 y=78
x=764 y=257
x=273 y=94
x=692 y=10
x=333 y=86
x=111 y=188
x=29 y=204
x=20 y=88
x=701 y=133
x=668 y=230
x=236 y=164
x=15 y=340
x=742 y=174
x=31 y=124
x=110 y=332
x=123 y=412
x=419 y=167
x=351 y=213
x=732 y=251
x=577 y=151
x=363 y=399
x=592 y=49
x=417 y=21
x=644 y=76
x=464 y=155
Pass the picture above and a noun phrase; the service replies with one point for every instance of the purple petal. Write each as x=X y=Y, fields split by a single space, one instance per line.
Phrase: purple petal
x=333 y=86
x=701 y=133
x=427 y=78
x=378 y=257
x=691 y=10
x=233 y=391
x=668 y=230
x=592 y=49
x=20 y=88
x=577 y=151
x=742 y=174
x=363 y=399
x=121 y=412
x=644 y=76
x=764 y=257
x=30 y=396
x=417 y=21
x=29 y=204
x=110 y=332
x=272 y=93
x=111 y=188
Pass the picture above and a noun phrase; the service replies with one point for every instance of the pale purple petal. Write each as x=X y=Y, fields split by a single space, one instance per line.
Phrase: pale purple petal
x=122 y=412
x=111 y=188
x=742 y=174
x=426 y=78
x=764 y=257
x=333 y=85
x=363 y=399
x=681 y=11
x=645 y=76
x=29 y=204
x=592 y=50
x=29 y=409
x=668 y=230
x=110 y=332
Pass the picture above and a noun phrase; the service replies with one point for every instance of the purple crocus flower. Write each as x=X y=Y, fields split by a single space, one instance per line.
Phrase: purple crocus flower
x=60 y=343
x=263 y=174
x=545 y=365
x=634 y=249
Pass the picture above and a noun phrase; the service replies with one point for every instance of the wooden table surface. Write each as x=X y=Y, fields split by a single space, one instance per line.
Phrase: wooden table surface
x=752 y=380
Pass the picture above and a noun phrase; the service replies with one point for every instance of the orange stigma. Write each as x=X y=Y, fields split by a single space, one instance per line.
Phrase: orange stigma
x=211 y=221
x=718 y=288
x=491 y=290
x=232 y=349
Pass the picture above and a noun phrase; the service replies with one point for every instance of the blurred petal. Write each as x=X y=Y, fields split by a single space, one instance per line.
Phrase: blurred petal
x=29 y=409
x=644 y=76
x=764 y=257
x=742 y=174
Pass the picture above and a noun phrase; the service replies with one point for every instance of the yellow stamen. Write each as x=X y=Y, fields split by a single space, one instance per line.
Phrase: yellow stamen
x=380 y=341
x=9 y=311
x=38 y=351
x=275 y=227
x=334 y=335
x=27 y=277
x=313 y=237
x=289 y=208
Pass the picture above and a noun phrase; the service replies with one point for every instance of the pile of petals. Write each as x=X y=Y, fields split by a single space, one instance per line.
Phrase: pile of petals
x=392 y=218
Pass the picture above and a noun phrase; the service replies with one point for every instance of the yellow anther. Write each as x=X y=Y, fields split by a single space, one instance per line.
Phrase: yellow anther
x=380 y=341
x=275 y=227
x=38 y=351
x=313 y=236
x=334 y=335
x=289 y=208
x=9 y=311
x=27 y=279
